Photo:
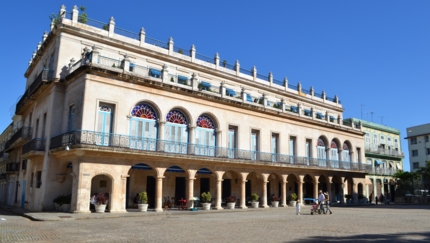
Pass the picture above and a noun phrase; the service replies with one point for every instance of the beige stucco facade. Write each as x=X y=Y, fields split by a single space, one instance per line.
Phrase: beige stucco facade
x=86 y=84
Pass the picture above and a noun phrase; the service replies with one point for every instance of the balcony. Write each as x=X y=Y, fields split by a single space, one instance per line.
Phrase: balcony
x=37 y=83
x=387 y=152
x=12 y=167
x=23 y=134
x=93 y=140
x=382 y=171
x=3 y=156
x=34 y=147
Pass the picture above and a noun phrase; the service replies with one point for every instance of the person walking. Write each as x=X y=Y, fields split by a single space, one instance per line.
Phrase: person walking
x=298 y=207
x=327 y=202
x=321 y=199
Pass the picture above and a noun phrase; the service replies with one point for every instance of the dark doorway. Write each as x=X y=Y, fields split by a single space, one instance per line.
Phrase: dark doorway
x=248 y=189
x=150 y=191
x=268 y=190
x=127 y=192
x=279 y=190
x=226 y=188
x=180 y=188
x=16 y=191
x=205 y=185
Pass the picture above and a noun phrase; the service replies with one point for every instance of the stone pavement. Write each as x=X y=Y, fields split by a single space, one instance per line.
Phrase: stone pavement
x=377 y=223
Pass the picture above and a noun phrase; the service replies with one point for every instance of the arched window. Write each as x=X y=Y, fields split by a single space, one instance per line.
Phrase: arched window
x=176 y=132
x=321 y=153
x=143 y=127
x=334 y=155
x=345 y=153
x=205 y=136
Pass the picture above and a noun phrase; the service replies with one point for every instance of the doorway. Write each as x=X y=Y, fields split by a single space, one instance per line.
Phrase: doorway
x=150 y=191
x=180 y=188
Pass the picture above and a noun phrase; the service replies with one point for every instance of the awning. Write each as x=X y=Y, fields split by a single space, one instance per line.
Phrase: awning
x=307 y=112
x=377 y=162
x=320 y=115
x=204 y=171
x=293 y=109
x=155 y=72
x=175 y=169
x=230 y=92
x=205 y=84
x=141 y=167
x=249 y=98
x=268 y=103
x=182 y=78
x=132 y=65
x=332 y=117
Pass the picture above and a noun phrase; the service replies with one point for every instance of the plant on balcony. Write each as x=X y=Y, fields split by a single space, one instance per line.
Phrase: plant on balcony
x=224 y=63
x=180 y=51
x=83 y=17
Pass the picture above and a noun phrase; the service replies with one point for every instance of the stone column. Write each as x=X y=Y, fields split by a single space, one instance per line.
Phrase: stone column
x=300 y=196
x=190 y=193
x=237 y=67
x=286 y=83
x=75 y=14
x=342 y=192
x=94 y=56
x=284 y=191
x=283 y=105
x=170 y=45
x=243 y=195
x=216 y=61
x=218 y=139
x=265 y=100
x=142 y=36
x=222 y=89
x=329 y=185
x=243 y=95
x=218 y=194
x=316 y=186
x=270 y=79
x=354 y=192
x=159 y=194
x=160 y=135
x=264 y=196
x=165 y=74
x=126 y=64
x=254 y=73
x=192 y=140
x=111 y=27
x=194 y=81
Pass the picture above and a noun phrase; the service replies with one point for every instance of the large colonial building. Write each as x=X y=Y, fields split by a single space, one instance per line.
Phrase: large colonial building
x=108 y=110
x=418 y=145
x=383 y=156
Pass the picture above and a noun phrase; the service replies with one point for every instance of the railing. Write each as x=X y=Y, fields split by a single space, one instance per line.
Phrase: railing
x=391 y=152
x=76 y=65
x=37 y=144
x=23 y=133
x=381 y=171
x=155 y=42
x=12 y=167
x=262 y=77
x=43 y=76
x=204 y=58
x=92 y=138
x=127 y=33
x=110 y=62
x=182 y=51
x=97 y=24
x=278 y=82
x=244 y=71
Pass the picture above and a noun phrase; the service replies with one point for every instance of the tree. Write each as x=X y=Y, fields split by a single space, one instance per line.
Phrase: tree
x=425 y=175
x=83 y=17
x=407 y=182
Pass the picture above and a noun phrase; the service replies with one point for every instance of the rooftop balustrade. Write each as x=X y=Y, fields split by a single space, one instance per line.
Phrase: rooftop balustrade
x=130 y=143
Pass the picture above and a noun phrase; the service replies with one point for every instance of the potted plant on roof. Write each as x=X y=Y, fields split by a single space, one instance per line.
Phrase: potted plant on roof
x=275 y=200
x=292 y=198
x=206 y=199
x=143 y=202
x=254 y=200
x=231 y=202
x=101 y=202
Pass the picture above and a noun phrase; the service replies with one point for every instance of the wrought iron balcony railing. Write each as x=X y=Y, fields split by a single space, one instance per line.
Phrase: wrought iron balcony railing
x=381 y=171
x=12 y=167
x=36 y=144
x=43 y=77
x=390 y=152
x=22 y=133
x=92 y=138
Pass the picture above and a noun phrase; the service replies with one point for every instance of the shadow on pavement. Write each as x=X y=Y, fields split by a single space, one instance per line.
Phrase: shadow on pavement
x=401 y=237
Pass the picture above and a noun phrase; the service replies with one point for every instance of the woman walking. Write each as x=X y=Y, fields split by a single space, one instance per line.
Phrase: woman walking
x=327 y=203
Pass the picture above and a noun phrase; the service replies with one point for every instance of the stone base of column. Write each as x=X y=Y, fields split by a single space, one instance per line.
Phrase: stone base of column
x=243 y=207
x=265 y=206
x=218 y=208
x=283 y=205
x=159 y=210
x=118 y=211
x=81 y=212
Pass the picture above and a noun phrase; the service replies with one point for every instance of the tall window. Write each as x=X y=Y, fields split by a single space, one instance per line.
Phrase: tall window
x=254 y=144
x=71 y=122
x=345 y=153
x=389 y=142
x=375 y=141
x=39 y=179
x=426 y=138
x=382 y=141
x=334 y=154
x=143 y=127
x=367 y=140
x=396 y=144
x=176 y=132
x=308 y=147
x=232 y=143
x=205 y=136
x=104 y=124
x=36 y=132
x=44 y=126
x=274 y=147
x=321 y=153
x=292 y=149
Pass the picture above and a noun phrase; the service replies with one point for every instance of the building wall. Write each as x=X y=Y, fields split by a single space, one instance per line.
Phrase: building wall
x=418 y=145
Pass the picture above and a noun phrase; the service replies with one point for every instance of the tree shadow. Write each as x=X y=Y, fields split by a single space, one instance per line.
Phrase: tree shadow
x=400 y=237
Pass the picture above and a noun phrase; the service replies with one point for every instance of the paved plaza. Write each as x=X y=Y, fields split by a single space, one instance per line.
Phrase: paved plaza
x=382 y=223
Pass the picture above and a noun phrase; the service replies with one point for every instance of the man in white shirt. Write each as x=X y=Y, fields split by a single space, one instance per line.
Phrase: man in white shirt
x=321 y=199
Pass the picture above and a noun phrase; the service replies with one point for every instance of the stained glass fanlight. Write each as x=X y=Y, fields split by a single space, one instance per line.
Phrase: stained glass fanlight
x=333 y=145
x=176 y=116
x=321 y=142
x=144 y=111
x=345 y=146
x=205 y=122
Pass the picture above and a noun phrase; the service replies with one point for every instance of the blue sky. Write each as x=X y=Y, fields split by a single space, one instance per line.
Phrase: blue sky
x=374 y=53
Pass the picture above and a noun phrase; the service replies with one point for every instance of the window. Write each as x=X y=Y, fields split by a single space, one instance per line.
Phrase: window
x=131 y=67
x=320 y=115
x=293 y=109
x=382 y=139
x=426 y=138
x=292 y=148
x=230 y=92
x=205 y=138
x=375 y=141
x=36 y=133
x=202 y=85
x=332 y=118
x=184 y=80
x=415 y=165
x=308 y=147
x=367 y=140
x=413 y=140
x=71 y=122
x=176 y=132
x=232 y=131
x=44 y=126
x=143 y=127
x=307 y=112
x=104 y=124
x=31 y=179
x=274 y=146
x=428 y=151
x=396 y=144
x=39 y=179
x=154 y=73
x=414 y=153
